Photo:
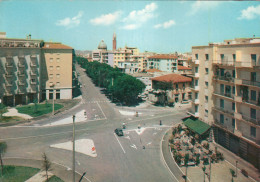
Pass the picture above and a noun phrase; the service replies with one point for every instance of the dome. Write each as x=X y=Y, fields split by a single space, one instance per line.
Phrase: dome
x=102 y=45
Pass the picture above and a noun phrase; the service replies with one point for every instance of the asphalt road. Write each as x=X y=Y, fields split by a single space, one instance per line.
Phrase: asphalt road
x=118 y=158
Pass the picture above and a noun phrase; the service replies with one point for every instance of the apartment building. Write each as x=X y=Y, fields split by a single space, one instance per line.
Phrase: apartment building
x=163 y=62
x=226 y=94
x=30 y=67
x=101 y=54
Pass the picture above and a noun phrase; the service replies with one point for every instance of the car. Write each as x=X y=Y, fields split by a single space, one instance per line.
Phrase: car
x=119 y=132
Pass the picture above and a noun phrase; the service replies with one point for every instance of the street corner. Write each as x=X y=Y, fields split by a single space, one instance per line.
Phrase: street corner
x=83 y=146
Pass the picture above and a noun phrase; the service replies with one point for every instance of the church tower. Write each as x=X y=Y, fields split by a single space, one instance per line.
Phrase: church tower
x=114 y=41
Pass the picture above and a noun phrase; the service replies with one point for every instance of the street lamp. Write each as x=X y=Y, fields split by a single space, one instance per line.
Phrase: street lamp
x=73 y=141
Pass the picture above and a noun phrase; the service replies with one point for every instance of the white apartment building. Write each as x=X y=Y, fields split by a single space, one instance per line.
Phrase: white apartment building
x=163 y=62
x=226 y=94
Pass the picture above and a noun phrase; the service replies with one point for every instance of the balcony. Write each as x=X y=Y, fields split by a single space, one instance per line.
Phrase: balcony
x=8 y=65
x=21 y=83
x=33 y=82
x=33 y=73
x=21 y=65
x=33 y=64
x=246 y=64
x=191 y=112
x=195 y=88
x=196 y=61
x=238 y=81
x=251 y=83
x=21 y=74
x=21 y=56
x=224 y=62
x=196 y=101
x=228 y=95
x=224 y=78
x=255 y=121
x=33 y=56
x=238 y=98
x=8 y=75
x=8 y=85
x=196 y=75
x=223 y=110
x=238 y=115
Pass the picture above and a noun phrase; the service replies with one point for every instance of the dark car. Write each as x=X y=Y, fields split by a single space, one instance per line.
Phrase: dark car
x=119 y=132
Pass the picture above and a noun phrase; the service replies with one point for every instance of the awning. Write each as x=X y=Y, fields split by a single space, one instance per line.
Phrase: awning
x=196 y=125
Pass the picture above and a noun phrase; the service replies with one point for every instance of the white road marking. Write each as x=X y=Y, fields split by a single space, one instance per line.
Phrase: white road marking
x=127 y=137
x=101 y=110
x=149 y=143
x=134 y=146
x=154 y=133
x=120 y=143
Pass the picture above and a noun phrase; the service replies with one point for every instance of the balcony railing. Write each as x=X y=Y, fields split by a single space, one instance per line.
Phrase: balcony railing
x=223 y=62
x=8 y=65
x=33 y=64
x=21 y=83
x=256 y=121
x=247 y=64
x=223 y=78
x=33 y=73
x=21 y=65
x=191 y=112
x=21 y=74
x=224 y=110
x=8 y=74
x=252 y=83
x=225 y=94
x=33 y=82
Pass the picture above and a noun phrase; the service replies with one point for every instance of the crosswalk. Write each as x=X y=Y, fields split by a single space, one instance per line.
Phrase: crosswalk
x=100 y=101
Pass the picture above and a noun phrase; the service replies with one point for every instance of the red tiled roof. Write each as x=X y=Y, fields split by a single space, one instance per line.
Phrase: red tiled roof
x=183 y=67
x=174 y=78
x=163 y=56
x=153 y=70
x=52 y=45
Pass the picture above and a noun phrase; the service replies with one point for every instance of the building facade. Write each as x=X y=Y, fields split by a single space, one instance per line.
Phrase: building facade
x=226 y=94
x=163 y=62
x=25 y=71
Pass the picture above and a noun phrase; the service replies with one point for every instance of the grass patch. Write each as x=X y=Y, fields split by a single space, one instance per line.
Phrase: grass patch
x=55 y=179
x=6 y=119
x=17 y=173
x=39 y=110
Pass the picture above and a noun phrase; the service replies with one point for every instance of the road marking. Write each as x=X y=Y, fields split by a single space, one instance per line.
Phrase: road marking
x=154 y=133
x=120 y=143
x=149 y=143
x=134 y=146
x=101 y=110
x=127 y=137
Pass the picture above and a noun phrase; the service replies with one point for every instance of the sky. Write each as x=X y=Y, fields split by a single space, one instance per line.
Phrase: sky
x=156 y=26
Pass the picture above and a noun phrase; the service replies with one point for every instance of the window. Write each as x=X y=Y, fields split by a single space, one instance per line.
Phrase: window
x=51 y=76
x=221 y=117
x=233 y=106
x=233 y=90
x=253 y=76
x=196 y=108
x=234 y=57
x=58 y=67
x=234 y=73
x=57 y=95
x=206 y=70
x=57 y=75
x=206 y=98
x=233 y=122
x=222 y=88
x=177 y=86
x=196 y=82
x=207 y=57
x=51 y=83
x=58 y=60
x=222 y=72
x=253 y=95
x=183 y=86
x=253 y=113
x=253 y=58
x=50 y=95
x=206 y=112
x=221 y=103
x=58 y=83
x=196 y=69
x=222 y=57
x=252 y=131
x=51 y=60
x=206 y=84
x=196 y=95
x=51 y=67
x=196 y=56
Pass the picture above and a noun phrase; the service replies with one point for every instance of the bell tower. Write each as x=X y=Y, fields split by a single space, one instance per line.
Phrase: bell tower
x=114 y=41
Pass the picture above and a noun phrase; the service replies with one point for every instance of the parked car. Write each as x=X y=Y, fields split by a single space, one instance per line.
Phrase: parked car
x=119 y=132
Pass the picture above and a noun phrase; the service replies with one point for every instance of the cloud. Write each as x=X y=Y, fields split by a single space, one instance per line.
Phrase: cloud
x=250 y=13
x=70 y=22
x=203 y=5
x=135 y=19
x=106 y=19
x=166 y=24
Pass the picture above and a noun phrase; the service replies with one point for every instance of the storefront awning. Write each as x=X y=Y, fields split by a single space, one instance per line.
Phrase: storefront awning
x=196 y=125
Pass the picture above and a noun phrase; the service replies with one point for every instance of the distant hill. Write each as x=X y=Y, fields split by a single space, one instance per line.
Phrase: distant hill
x=84 y=53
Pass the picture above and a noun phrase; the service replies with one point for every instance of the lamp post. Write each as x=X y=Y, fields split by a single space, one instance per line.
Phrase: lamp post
x=73 y=141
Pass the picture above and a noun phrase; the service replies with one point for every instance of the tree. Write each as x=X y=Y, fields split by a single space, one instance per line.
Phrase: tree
x=163 y=86
x=3 y=147
x=46 y=165
x=232 y=174
x=2 y=107
x=186 y=160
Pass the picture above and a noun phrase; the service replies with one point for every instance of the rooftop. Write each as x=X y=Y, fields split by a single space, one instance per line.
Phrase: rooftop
x=153 y=70
x=163 y=56
x=55 y=45
x=183 y=67
x=174 y=78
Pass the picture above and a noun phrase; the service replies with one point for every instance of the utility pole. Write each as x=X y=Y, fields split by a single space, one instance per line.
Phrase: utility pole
x=73 y=140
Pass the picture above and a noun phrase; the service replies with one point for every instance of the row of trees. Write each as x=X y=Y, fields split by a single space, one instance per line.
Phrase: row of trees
x=119 y=86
